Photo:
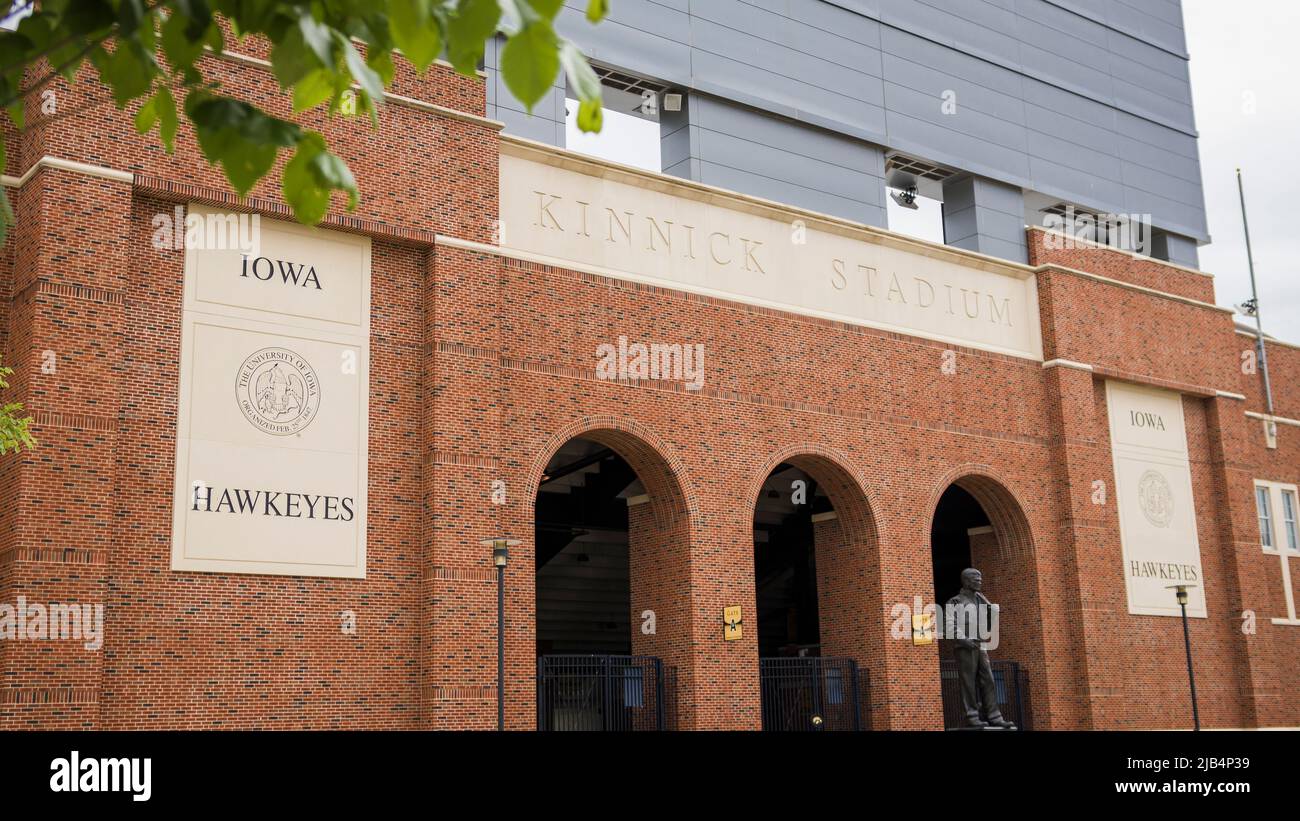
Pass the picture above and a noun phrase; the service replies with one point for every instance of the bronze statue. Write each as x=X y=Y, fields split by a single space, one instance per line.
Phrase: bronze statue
x=979 y=695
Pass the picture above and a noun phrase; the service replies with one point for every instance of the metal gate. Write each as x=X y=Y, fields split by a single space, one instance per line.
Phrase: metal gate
x=810 y=693
x=612 y=693
x=1012 y=684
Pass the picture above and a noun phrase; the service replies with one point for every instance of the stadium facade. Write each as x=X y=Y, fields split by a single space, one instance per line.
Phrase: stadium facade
x=740 y=436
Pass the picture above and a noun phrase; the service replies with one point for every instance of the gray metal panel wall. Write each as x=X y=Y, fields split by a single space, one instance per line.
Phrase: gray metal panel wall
x=720 y=143
x=986 y=216
x=1083 y=100
x=546 y=121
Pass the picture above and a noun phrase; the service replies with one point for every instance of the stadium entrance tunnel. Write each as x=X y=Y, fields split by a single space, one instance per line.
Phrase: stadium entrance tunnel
x=978 y=523
x=815 y=573
x=612 y=624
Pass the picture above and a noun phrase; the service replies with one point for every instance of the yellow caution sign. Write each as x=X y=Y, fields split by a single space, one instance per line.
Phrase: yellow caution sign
x=923 y=629
x=731 y=623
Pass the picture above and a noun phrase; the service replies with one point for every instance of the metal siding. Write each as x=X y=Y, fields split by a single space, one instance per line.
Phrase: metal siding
x=1085 y=100
x=772 y=157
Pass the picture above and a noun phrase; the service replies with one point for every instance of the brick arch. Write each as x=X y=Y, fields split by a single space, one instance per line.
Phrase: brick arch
x=660 y=543
x=1010 y=573
x=1004 y=509
x=847 y=549
x=661 y=471
x=843 y=484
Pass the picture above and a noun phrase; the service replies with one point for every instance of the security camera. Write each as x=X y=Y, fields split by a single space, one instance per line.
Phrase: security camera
x=1247 y=308
x=905 y=197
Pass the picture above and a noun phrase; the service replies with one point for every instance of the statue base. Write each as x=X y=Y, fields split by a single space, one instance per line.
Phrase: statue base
x=980 y=729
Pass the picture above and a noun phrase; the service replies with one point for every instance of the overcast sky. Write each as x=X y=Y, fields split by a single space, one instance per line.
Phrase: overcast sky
x=1242 y=53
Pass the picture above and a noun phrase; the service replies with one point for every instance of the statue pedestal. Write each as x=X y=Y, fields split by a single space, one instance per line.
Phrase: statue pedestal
x=980 y=729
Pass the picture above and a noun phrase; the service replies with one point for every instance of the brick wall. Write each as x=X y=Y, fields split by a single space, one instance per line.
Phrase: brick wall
x=483 y=366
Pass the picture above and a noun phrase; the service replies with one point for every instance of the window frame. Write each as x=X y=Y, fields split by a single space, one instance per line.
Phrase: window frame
x=1288 y=521
x=1281 y=532
x=1264 y=515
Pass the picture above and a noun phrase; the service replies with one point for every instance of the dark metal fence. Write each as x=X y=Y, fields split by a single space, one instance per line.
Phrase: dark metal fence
x=812 y=693
x=1012 y=684
x=612 y=693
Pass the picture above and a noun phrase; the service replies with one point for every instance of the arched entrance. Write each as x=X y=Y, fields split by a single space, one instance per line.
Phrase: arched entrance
x=611 y=540
x=816 y=579
x=978 y=523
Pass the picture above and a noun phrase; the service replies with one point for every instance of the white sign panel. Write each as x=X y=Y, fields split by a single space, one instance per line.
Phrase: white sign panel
x=649 y=229
x=272 y=435
x=1153 y=488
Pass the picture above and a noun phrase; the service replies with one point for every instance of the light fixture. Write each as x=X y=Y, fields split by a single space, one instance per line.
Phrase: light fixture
x=501 y=555
x=905 y=197
x=1247 y=308
x=1180 y=593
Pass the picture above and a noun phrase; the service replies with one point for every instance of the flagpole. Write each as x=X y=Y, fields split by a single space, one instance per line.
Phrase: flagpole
x=1254 y=298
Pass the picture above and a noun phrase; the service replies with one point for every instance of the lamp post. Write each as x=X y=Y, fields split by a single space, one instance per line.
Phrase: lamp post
x=1180 y=590
x=501 y=555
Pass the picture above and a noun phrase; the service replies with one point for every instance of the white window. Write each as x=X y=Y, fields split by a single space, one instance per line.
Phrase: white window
x=624 y=138
x=1277 y=505
x=924 y=220
x=1288 y=520
x=1278 y=508
x=1262 y=506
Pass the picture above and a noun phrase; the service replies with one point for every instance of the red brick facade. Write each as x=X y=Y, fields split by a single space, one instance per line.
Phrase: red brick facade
x=482 y=366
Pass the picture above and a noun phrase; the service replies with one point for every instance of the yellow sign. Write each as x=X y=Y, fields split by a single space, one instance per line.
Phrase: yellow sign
x=923 y=629
x=731 y=629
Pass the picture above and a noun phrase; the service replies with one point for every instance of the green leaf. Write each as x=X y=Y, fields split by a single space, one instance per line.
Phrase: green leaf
x=146 y=116
x=365 y=76
x=596 y=10
x=16 y=116
x=317 y=37
x=582 y=78
x=168 y=122
x=382 y=64
x=198 y=16
x=529 y=62
x=70 y=58
x=415 y=31
x=331 y=170
x=311 y=176
x=590 y=115
x=468 y=31
x=181 y=51
x=130 y=14
x=301 y=189
x=312 y=90
x=516 y=15
x=128 y=70
x=242 y=139
x=291 y=59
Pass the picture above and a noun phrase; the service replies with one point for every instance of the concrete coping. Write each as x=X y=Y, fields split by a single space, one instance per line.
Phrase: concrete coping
x=1101 y=246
